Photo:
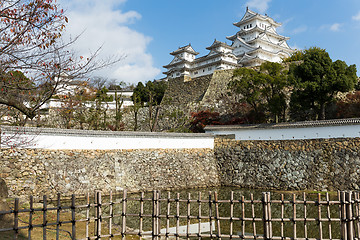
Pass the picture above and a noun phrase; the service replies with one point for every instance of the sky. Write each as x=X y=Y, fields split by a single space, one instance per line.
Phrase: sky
x=143 y=32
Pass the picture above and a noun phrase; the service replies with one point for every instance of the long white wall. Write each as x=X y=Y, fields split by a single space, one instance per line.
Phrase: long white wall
x=286 y=132
x=45 y=138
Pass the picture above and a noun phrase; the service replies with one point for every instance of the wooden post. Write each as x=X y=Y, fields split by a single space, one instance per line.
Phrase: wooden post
x=30 y=216
x=98 y=215
x=73 y=218
x=123 y=215
x=87 y=215
x=141 y=214
x=343 y=215
x=188 y=216
x=210 y=215
x=111 y=214
x=267 y=215
x=177 y=200
x=319 y=216
x=199 y=216
x=44 y=216
x=168 y=216
x=154 y=216
x=217 y=215
x=58 y=217
x=16 y=218
x=349 y=215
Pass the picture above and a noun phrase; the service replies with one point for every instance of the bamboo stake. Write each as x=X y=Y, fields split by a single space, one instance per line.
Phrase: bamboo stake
x=30 y=217
x=329 y=215
x=349 y=215
x=210 y=214
x=87 y=215
x=16 y=218
x=199 y=216
x=154 y=215
x=98 y=215
x=243 y=217
x=343 y=216
x=319 y=216
x=58 y=216
x=305 y=214
x=167 y=215
x=111 y=214
x=282 y=216
x=253 y=215
x=188 y=217
x=73 y=219
x=357 y=212
x=123 y=215
x=141 y=213
x=294 y=215
x=44 y=216
x=217 y=215
x=177 y=215
x=231 y=213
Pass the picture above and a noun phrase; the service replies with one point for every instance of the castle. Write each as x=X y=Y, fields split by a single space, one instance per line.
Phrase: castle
x=256 y=41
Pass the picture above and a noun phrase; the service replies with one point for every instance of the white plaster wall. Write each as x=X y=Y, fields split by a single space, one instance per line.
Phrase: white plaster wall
x=345 y=131
x=68 y=139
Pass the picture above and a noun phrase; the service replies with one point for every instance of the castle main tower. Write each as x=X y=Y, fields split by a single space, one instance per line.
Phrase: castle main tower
x=257 y=40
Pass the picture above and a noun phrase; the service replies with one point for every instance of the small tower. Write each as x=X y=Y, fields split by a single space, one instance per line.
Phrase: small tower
x=182 y=63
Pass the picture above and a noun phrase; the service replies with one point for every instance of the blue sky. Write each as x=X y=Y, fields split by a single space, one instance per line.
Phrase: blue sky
x=146 y=31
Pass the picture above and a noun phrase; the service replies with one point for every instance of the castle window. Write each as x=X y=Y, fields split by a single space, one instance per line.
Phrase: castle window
x=196 y=72
x=209 y=68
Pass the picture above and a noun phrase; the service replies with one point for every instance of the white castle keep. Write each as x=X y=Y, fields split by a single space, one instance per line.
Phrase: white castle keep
x=256 y=42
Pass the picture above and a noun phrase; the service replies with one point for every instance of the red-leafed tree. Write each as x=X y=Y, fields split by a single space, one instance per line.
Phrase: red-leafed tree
x=31 y=43
x=200 y=119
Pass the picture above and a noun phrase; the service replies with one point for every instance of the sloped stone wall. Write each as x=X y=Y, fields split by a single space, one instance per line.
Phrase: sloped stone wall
x=181 y=91
x=322 y=164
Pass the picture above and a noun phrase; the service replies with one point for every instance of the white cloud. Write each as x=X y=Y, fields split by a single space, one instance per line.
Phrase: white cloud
x=300 y=29
x=104 y=24
x=335 y=27
x=259 y=5
x=356 y=17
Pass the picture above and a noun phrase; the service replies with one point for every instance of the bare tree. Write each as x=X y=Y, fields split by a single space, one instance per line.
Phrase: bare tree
x=31 y=44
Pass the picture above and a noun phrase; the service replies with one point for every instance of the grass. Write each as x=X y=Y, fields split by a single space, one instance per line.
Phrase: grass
x=7 y=221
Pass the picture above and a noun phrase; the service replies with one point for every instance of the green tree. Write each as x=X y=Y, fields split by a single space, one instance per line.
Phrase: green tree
x=263 y=90
x=316 y=82
x=274 y=89
x=150 y=96
x=249 y=83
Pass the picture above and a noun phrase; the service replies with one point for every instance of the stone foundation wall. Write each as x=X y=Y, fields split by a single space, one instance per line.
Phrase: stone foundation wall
x=38 y=172
x=323 y=164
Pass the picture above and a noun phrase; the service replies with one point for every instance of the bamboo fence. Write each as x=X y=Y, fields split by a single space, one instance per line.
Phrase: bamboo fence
x=168 y=216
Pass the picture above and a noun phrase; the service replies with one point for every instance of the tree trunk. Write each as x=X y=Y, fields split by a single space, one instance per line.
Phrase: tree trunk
x=322 y=111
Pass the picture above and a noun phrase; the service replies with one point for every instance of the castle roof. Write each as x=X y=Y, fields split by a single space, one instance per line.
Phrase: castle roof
x=217 y=43
x=187 y=48
x=251 y=15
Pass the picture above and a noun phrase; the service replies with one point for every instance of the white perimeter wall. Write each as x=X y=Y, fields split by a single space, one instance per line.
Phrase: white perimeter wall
x=345 y=131
x=102 y=140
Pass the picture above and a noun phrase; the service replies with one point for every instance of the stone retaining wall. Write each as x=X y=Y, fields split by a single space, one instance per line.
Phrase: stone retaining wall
x=38 y=172
x=322 y=164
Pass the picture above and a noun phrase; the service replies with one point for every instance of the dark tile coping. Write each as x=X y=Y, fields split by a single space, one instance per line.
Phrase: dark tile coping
x=93 y=133
x=305 y=124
